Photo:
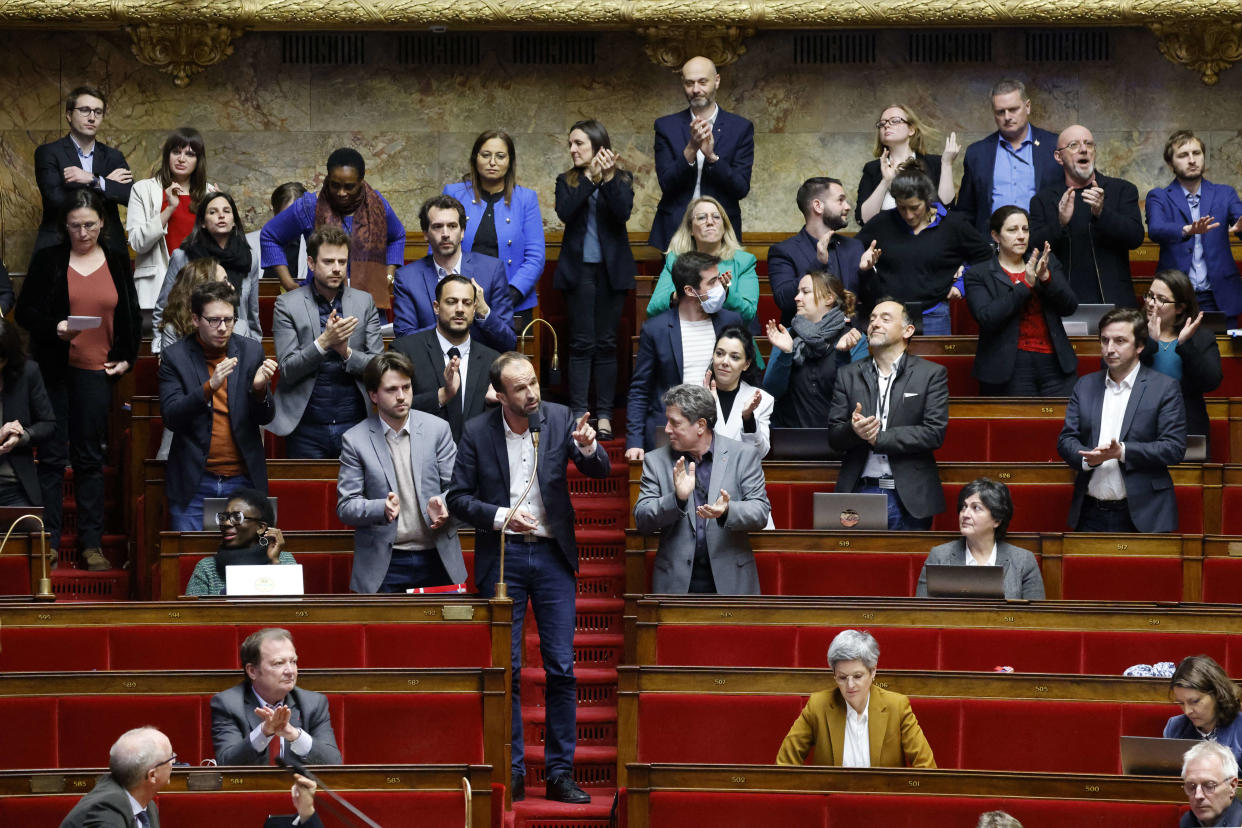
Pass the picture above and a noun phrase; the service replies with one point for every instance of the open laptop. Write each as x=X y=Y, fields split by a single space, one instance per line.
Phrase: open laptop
x=835 y=510
x=212 y=505
x=799 y=444
x=1153 y=756
x=265 y=579
x=1085 y=321
x=961 y=581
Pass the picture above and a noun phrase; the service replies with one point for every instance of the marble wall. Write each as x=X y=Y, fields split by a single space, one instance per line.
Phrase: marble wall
x=266 y=122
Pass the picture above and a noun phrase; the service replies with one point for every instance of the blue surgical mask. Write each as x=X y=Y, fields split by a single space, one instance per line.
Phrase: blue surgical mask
x=715 y=299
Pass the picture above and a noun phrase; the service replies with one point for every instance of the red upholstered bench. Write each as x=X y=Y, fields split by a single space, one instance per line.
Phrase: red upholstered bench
x=1222 y=577
x=905 y=812
x=1109 y=578
x=678 y=809
x=306 y=504
x=848 y=573
x=737 y=730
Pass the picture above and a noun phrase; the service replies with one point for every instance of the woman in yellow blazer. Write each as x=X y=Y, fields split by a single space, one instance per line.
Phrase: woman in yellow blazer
x=857 y=724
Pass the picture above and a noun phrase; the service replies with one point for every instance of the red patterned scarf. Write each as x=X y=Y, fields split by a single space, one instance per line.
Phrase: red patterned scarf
x=368 y=248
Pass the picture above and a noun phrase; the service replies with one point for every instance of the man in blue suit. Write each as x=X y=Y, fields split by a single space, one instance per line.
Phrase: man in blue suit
x=1124 y=427
x=675 y=347
x=1191 y=219
x=1010 y=165
x=494 y=464
x=443 y=220
x=700 y=151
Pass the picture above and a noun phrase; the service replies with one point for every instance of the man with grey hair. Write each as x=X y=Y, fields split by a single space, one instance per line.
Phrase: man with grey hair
x=1210 y=778
x=702 y=493
x=1010 y=165
x=139 y=765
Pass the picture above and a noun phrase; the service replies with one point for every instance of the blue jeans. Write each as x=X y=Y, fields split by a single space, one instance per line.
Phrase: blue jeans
x=537 y=571
x=898 y=518
x=936 y=320
x=189 y=518
x=407 y=570
x=316 y=441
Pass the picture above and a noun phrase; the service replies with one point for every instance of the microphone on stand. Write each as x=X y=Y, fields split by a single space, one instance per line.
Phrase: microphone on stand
x=535 y=424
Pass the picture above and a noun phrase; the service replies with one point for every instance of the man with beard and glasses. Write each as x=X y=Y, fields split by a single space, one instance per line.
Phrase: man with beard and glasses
x=1092 y=222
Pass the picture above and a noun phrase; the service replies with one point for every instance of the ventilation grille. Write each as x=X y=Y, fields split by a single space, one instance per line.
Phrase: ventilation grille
x=539 y=49
x=431 y=49
x=818 y=48
x=949 y=47
x=1067 y=45
x=311 y=49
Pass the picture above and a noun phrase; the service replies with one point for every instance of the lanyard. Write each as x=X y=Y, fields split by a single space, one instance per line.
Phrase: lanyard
x=885 y=386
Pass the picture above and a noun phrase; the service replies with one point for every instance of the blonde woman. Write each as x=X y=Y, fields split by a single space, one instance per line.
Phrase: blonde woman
x=900 y=135
x=706 y=228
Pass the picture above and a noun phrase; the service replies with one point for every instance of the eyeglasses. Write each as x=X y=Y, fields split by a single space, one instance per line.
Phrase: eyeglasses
x=87 y=226
x=87 y=111
x=1208 y=787
x=704 y=218
x=1157 y=299
x=225 y=518
x=219 y=321
x=883 y=122
x=172 y=758
x=1074 y=146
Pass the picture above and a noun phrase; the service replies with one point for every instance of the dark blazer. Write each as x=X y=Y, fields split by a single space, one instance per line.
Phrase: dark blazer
x=7 y=297
x=1022 y=575
x=414 y=291
x=612 y=211
x=793 y=258
x=423 y=349
x=1168 y=213
x=233 y=717
x=183 y=371
x=727 y=181
x=50 y=162
x=481 y=483
x=997 y=303
x=1154 y=433
x=872 y=177
x=107 y=806
x=1201 y=374
x=657 y=368
x=974 y=197
x=25 y=400
x=44 y=304
x=917 y=419
x=1095 y=251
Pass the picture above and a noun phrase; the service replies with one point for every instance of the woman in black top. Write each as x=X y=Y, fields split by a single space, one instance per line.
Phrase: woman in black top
x=596 y=268
x=804 y=360
x=900 y=135
x=1180 y=346
x=27 y=417
x=923 y=246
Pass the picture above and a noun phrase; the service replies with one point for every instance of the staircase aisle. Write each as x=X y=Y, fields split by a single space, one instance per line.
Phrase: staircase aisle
x=602 y=513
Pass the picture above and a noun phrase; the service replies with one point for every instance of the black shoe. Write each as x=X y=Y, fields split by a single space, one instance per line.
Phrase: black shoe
x=517 y=786
x=604 y=433
x=564 y=789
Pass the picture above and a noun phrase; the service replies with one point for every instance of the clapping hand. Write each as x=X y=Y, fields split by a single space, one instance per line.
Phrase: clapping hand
x=779 y=336
x=1037 y=266
x=868 y=428
x=1094 y=197
x=264 y=375
x=714 y=511
x=869 y=257
x=1096 y=456
x=1202 y=225
x=392 y=507
x=1188 y=330
x=276 y=722
x=10 y=433
x=683 y=479
x=438 y=509
x=951 y=149
x=749 y=411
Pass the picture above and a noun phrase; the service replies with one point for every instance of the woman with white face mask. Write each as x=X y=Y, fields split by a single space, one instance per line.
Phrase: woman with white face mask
x=706 y=228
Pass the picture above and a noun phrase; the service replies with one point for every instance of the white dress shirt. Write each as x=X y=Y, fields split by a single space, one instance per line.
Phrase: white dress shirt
x=301 y=745
x=857 y=753
x=452 y=270
x=464 y=350
x=991 y=561
x=700 y=157
x=877 y=463
x=521 y=451
x=1107 y=483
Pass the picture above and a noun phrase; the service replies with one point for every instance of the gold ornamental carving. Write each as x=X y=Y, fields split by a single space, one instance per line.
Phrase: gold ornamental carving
x=1206 y=48
x=671 y=46
x=182 y=49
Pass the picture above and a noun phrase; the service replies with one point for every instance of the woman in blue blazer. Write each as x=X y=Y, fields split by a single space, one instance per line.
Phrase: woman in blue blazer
x=502 y=219
x=594 y=199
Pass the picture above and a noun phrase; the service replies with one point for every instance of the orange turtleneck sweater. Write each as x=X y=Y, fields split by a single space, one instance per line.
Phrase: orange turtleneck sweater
x=223 y=457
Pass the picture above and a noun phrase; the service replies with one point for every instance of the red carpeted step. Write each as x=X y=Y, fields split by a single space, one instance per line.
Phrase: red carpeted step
x=600 y=546
x=597 y=726
x=601 y=513
x=594 y=767
x=537 y=812
x=597 y=687
x=81 y=585
x=590 y=650
x=602 y=578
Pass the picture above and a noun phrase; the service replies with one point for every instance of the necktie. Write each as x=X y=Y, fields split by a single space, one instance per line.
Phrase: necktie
x=142 y=820
x=456 y=406
x=1198 y=271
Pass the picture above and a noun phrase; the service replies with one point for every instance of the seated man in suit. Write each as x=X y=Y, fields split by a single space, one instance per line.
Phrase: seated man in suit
x=1210 y=779
x=443 y=219
x=888 y=416
x=78 y=161
x=450 y=366
x=1192 y=219
x=1124 y=427
x=395 y=467
x=703 y=502
x=215 y=393
x=675 y=347
x=139 y=764
x=268 y=715
x=326 y=332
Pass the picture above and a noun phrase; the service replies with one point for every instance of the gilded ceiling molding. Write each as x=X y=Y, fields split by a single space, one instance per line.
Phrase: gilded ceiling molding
x=1206 y=48
x=182 y=49
x=671 y=46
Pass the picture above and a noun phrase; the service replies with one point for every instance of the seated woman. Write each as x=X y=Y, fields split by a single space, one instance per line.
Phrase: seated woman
x=984 y=509
x=705 y=227
x=247 y=536
x=1209 y=702
x=804 y=360
x=853 y=656
x=1018 y=302
x=1181 y=347
x=176 y=321
x=28 y=420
